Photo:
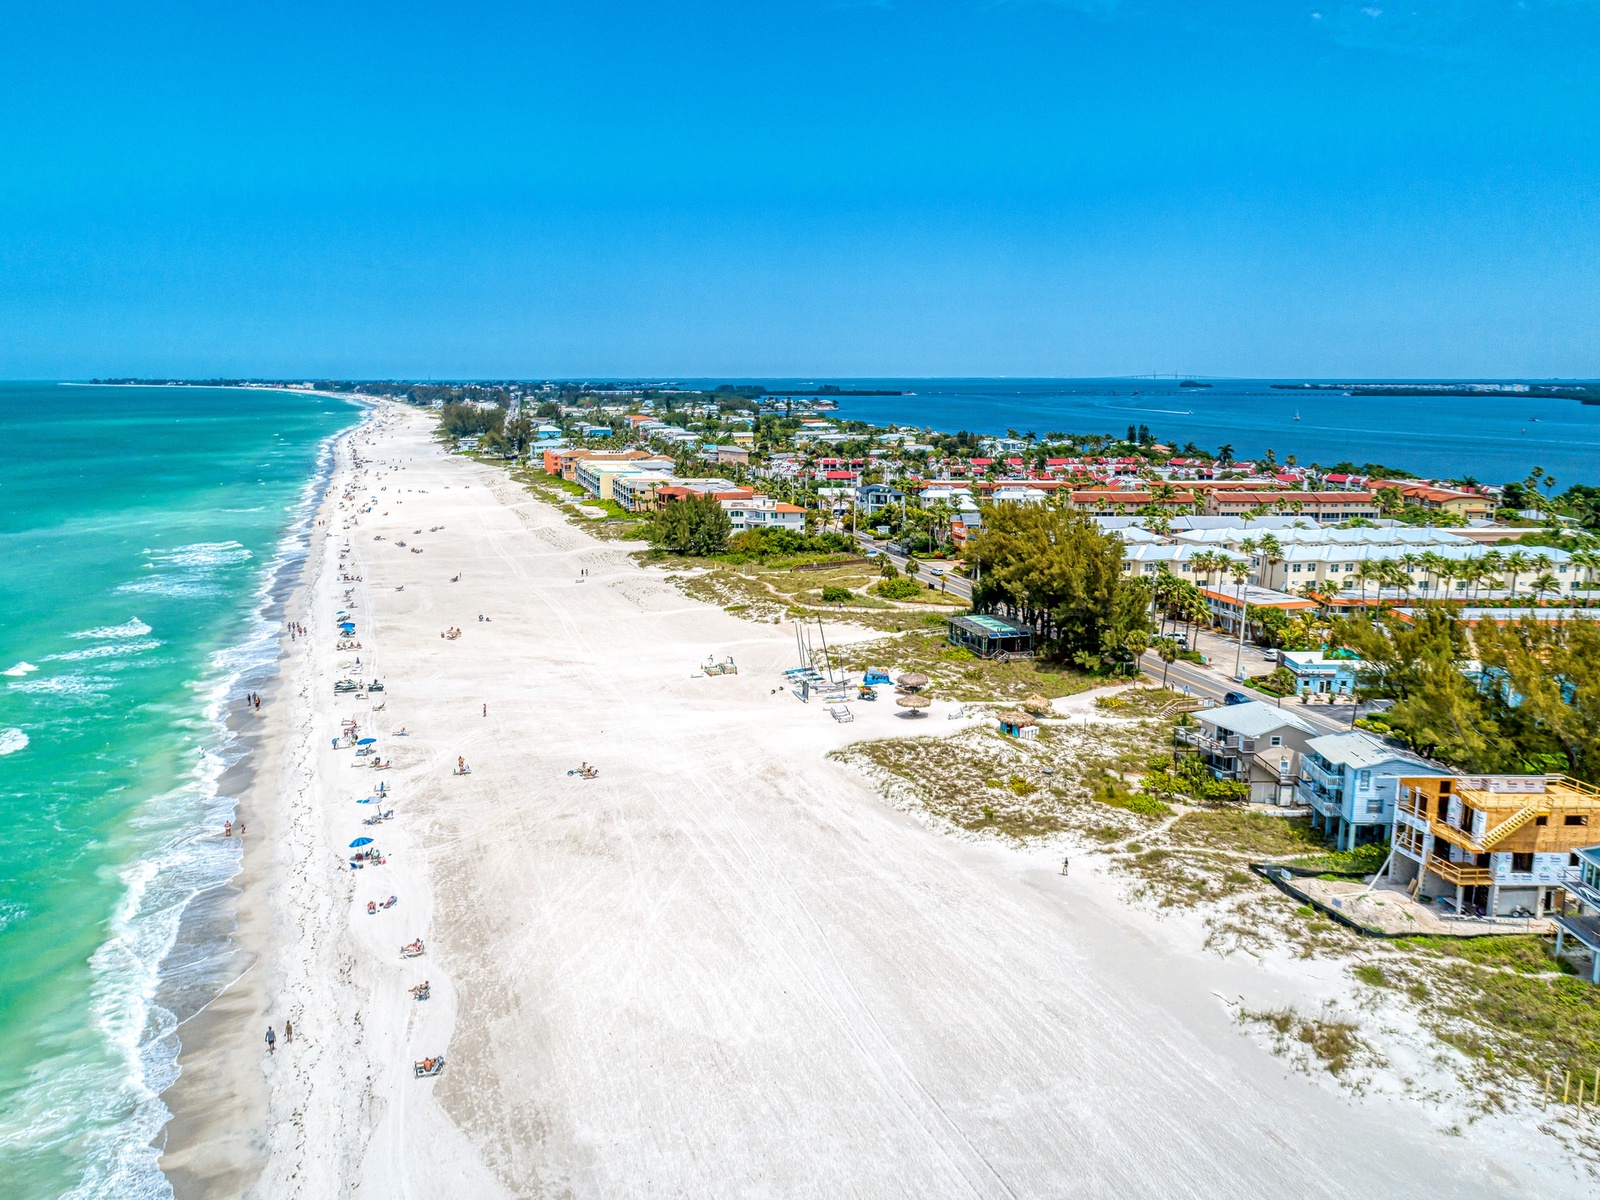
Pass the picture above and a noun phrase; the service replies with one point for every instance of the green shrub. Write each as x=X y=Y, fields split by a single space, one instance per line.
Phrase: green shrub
x=898 y=589
x=837 y=595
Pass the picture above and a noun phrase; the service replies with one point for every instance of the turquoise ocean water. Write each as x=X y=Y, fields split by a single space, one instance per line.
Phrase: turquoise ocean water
x=141 y=532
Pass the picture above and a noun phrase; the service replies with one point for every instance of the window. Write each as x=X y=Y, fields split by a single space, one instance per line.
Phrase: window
x=1375 y=805
x=1576 y=820
x=1277 y=740
x=1521 y=864
x=1541 y=820
x=1297 y=568
x=1364 y=779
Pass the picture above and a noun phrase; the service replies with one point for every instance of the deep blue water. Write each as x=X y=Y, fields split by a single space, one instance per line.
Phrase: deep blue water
x=1492 y=439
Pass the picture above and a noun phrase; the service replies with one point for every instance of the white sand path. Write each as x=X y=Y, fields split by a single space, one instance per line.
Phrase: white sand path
x=725 y=967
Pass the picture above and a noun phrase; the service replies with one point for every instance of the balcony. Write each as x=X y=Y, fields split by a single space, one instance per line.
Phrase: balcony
x=1461 y=874
x=1196 y=736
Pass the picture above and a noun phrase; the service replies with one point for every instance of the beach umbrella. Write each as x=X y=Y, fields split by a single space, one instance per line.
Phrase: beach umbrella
x=367 y=742
x=914 y=703
x=370 y=800
x=360 y=842
x=348 y=626
x=1036 y=704
x=912 y=681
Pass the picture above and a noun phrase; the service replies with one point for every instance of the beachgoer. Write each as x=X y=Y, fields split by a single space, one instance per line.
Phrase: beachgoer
x=272 y=1040
x=288 y=1033
x=1064 y=866
x=486 y=708
x=241 y=828
x=372 y=907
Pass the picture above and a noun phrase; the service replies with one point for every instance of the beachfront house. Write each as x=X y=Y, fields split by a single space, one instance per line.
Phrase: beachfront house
x=1351 y=781
x=1496 y=844
x=1257 y=744
x=1581 y=920
x=763 y=512
x=1317 y=675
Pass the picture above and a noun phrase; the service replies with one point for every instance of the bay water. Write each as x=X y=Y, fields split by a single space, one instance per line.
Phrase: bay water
x=143 y=532
x=1490 y=438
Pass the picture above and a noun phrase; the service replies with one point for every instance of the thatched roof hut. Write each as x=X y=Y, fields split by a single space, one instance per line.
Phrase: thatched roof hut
x=911 y=681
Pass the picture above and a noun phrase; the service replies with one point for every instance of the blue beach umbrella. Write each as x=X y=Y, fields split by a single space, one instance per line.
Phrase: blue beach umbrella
x=360 y=842
x=367 y=742
x=348 y=627
x=370 y=800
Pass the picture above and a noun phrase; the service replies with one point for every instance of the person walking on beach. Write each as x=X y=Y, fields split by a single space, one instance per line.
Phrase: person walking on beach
x=272 y=1041
x=288 y=1033
x=1064 y=866
x=486 y=708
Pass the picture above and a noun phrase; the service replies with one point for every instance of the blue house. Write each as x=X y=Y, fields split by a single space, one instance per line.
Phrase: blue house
x=1351 y=781
x=1316 y=675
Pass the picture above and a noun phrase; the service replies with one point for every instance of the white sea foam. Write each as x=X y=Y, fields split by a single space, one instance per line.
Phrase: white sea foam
x=10 y=914
x=12 y=740
x=70 y=686
x=18 y=671
x=200 y=554
x=109 y=650
x=133 y=628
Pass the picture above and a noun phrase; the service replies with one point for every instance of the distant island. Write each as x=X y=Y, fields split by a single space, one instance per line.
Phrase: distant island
x=1582 y=392
x=1193 y=383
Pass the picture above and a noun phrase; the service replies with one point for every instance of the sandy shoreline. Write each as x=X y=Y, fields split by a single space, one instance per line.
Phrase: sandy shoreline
x=724 y=966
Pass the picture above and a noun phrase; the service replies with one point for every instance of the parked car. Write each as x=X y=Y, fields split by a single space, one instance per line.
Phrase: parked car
x=1236 y=698
x=1270 y=655
x=871 y=552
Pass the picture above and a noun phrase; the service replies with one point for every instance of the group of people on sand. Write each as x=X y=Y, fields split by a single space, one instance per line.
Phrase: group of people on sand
x=461 y=765
x=272 y=1037
x=252 y=700
x=373 y=906
x=229 y=829
x=452 y=633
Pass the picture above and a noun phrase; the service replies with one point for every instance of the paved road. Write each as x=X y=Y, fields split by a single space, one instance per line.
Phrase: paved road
x=955 y=585
x=1208 y=684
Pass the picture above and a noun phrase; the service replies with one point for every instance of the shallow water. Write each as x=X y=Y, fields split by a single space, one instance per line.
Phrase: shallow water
x=142 y=530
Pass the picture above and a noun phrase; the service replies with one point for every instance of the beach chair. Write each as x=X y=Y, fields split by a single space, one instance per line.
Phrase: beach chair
x=841 y=714
x=427 y=1068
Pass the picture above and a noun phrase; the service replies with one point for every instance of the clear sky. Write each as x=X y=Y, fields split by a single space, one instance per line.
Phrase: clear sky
x=801 y=187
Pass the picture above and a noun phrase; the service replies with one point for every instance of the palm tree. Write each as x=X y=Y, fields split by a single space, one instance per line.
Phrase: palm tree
x=1409 y=562
x=1247 y=548
x=1225 y=454
x=1590 y=562
x=1516 y=562
x=1271 y=550
x=1543 y=584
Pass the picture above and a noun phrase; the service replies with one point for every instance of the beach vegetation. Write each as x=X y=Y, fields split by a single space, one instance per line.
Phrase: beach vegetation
x=697 y=525
x=1532 y=698
x=1056 y=571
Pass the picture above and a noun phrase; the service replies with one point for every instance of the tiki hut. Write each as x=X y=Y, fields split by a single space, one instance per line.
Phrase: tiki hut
x=911 y=682
x=1036 y=704
x=1013 y=723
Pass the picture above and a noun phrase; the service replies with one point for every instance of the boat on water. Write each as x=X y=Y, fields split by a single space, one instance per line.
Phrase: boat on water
x=1297 y=414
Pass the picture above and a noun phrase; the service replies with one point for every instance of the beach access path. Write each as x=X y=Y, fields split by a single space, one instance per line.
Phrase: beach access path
x=726 y=966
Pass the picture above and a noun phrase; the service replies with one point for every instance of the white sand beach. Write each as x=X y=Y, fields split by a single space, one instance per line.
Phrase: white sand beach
x=724 y=966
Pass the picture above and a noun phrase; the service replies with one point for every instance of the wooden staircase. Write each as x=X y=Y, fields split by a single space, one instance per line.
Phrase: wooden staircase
x=1511 y=824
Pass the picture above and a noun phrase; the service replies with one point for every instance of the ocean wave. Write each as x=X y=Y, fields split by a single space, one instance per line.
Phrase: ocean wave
x=128 y=629
x=11 y=740
x=71 y=686
x=112 y=650
x=10 y=913
x=18 y=671
x=182 y=587
x=200 y=554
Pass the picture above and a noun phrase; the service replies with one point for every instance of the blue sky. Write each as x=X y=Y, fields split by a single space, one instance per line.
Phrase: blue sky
x=801 y=187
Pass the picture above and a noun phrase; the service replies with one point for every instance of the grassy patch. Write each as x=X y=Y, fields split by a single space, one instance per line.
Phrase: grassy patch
x=1522 y=953
x=1330 y=1041
x=1363 y=860
x=1248 y=834
x=957 y=674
